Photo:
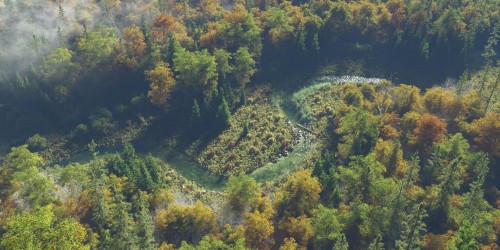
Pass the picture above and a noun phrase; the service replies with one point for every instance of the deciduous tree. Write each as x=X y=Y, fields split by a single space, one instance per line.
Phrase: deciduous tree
x=162 y=83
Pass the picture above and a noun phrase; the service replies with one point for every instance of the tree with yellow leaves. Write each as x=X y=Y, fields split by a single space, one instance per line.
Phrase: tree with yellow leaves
x=257 y=230
x=486 y=133
x=300 y=195
x=162 y=82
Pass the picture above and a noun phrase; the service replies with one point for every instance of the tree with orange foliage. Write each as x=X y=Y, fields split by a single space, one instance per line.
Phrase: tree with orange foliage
x=486 y=133
x=429 y=129
x=161 y=84
x=163 y=25
x=132 y=48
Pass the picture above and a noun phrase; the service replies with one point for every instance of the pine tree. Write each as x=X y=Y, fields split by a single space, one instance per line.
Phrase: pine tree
x=473 y=200
x=146 y=182
x=341 y=243
x=145 y=227
x=243 y=98
x=101 y=210
x=466 y=237
x=413 y=229
x=116 y=165
x=377 y=244
x=223 y=114
x=153 y=170
x=132 y=164
x=122 y=229
x=195 y=115
x=410 y=177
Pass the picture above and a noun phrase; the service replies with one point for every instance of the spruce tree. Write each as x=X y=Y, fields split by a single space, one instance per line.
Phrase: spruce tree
x=145 y=227
x=413 y=229
x=122 y=229
x=195 y=115
x=223 y=114
x=146 y=182
x=341 y=243
x=153 y=170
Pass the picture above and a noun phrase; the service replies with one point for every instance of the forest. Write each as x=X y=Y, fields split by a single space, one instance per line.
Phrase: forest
x=249 y=124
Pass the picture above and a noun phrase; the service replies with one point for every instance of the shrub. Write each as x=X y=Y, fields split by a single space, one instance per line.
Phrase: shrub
x=37 y=143
x=102 y=121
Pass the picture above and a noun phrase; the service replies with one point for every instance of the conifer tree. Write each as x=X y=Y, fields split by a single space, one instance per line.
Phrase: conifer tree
x=122 y=229
x=195 y=114
x=341 y=243
x=153 y=170
x=145 y=226
x=223 y=114
x=413 y=229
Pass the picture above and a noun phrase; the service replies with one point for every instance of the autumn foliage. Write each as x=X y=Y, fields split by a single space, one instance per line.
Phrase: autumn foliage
x=429 y=129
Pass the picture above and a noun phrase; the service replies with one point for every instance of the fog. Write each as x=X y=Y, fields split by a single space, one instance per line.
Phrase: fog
x=31 y=29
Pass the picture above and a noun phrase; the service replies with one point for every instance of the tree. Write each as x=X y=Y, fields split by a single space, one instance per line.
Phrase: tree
x=122 y=227
x=236 y=29
x=411 y=236
x=359 y=131
x=41 y=230
x=241 y=191
x=429 y=129
x=222 y=58
x=406 y=98
x=244 y=66
x=195 y=115
x=299 y=195
x=20 y=158
x=22 y=174
x=97 y=46
x=278 y=24
x=299 y=228
x=289 y=244
x=164 y=25
x=466 y=237
x=473 y=200
x=377 y=244
x=35 y=188
x=327 y=227
x=189 y=223
x=209 y=243
x=341 y=243
x=360 y=178
x=486 y=133
x=58 y=65
x=223 y=115
x=133 y=45
x=197 y=71
x=145 y=226
x=153 y=170
x=162 y=83
x=257 y=229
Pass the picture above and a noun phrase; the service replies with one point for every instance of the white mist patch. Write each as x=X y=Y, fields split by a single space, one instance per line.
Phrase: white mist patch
x=32 y=29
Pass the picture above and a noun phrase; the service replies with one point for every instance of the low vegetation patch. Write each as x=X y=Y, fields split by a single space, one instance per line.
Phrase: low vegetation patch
x=257 y=134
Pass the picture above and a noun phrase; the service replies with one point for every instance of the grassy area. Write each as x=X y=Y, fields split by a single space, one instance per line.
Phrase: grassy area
x=190 y=170
x=285 y=165
x=316 y=101
x=234 y=151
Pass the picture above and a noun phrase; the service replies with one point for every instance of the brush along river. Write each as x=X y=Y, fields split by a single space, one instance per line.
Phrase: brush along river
x=284 y=165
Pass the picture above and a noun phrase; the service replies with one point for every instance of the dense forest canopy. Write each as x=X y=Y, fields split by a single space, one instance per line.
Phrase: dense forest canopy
x=249 y=124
